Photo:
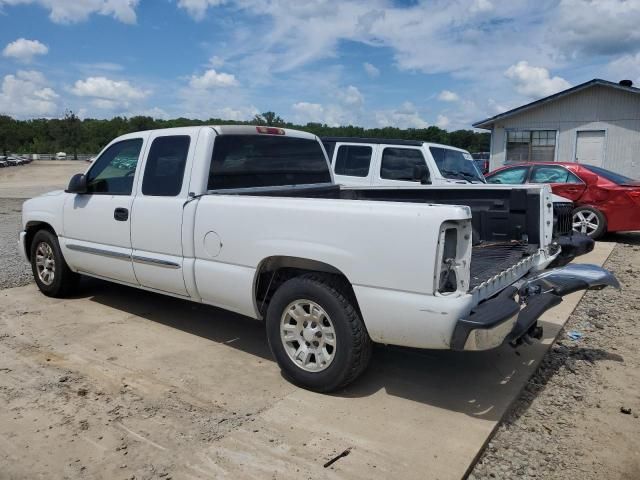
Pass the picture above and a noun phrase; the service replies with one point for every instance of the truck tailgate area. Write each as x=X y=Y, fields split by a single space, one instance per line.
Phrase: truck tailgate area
x=491 y=259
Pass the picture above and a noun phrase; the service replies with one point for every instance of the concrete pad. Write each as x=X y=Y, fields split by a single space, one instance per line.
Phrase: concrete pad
x=38 y=177
x=414 y=414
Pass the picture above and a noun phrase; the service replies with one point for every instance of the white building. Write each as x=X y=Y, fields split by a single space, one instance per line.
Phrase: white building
x=597 y=122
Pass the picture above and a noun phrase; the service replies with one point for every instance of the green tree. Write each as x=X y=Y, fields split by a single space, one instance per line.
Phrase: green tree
x=269 y=118
x=71 y=129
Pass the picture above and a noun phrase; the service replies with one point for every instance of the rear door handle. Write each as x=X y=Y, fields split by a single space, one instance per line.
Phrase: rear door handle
x=121 y=214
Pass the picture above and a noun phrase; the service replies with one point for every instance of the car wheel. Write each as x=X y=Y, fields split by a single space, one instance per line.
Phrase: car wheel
x=316 y=334
x=50 y=271
x=589 y=221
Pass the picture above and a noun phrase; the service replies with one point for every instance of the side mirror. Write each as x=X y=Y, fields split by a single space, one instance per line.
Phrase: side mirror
x=77 y=184
x=421 y=174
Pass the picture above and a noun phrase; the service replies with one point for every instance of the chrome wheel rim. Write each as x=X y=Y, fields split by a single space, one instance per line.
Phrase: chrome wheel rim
x=308 y=335
x=45 y=263
x=585 y=221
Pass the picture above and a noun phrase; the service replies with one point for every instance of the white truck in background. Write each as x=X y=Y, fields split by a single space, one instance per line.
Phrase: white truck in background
x=250 y=219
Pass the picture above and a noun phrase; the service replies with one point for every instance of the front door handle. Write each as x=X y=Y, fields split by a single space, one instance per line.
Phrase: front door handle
x=121 y=214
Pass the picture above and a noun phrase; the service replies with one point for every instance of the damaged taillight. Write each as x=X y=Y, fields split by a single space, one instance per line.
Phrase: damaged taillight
x=454 y=249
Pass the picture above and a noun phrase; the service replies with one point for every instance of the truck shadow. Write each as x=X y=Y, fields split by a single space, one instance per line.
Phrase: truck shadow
x=479 y=384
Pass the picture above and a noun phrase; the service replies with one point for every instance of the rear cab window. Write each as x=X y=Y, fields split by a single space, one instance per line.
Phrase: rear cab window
x=248 y=161
x=164 y=169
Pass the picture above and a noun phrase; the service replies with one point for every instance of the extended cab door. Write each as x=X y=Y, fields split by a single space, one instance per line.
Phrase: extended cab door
x=97 y=236
x=156 y=225
x=352 y=163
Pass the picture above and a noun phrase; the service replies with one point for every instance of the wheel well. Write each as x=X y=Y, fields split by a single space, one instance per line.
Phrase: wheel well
x=274 y=271
x=32 y=229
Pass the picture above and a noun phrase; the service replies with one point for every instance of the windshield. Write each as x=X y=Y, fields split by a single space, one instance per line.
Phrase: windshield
x=457 y=165
x=611 y=176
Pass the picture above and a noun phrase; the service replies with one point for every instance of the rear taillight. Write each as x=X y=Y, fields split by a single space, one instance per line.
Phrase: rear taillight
x=270 y=130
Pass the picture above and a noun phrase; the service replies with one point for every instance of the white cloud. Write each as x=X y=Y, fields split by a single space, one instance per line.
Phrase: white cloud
x=108 y=94
x=625 y=67
x=443 y=121
x=407 y=116
x=534 y=82
x=448 y=96
x=216 y=61
x=351 y=96
x=602 y=27
x=481 y=6
x=212 y=79
x=24 y=50
x=26 y=94
x=198 y=8
x=306 y=112
x=73 y=11
x=371 y=70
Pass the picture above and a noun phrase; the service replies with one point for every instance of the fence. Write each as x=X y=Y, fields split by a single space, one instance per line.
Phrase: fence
x=52 y=156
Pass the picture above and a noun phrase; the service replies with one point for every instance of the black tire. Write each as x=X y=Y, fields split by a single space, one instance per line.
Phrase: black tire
x=593 y=213
x=353 y=345
x=64 y=280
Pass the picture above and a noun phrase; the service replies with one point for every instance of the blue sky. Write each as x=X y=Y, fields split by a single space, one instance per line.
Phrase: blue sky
x=362 y=62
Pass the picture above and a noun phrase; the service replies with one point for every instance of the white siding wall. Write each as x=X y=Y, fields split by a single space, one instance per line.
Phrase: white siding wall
x=596 y=108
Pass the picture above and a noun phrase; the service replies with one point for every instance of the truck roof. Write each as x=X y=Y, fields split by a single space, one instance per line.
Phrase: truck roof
x=237 y=130
x=389 y=141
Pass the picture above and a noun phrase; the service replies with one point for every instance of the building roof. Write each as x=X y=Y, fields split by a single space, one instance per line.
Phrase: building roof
x=488 y=122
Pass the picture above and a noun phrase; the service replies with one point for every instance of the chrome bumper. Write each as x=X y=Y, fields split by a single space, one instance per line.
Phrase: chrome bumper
x=21 y=245
x=504 y=318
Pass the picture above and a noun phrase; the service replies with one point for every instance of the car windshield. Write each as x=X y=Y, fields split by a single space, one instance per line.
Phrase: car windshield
x=457 y=165
x=611 y=176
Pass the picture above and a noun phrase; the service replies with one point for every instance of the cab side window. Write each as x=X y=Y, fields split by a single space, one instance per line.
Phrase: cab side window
x=510 y=176
x=353 y=160
x=112 y=173
x=398 y=163
x=164 y=170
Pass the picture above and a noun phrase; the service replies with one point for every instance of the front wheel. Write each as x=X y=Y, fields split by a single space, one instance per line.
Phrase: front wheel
x=316 y=333
x=50 y=271
x=589 y=221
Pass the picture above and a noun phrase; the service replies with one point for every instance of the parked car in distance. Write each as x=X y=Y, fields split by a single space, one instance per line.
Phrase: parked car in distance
x=392 y=162
x=3 y=163
x=61 y=156
x=249 y=219
x=482 y=161
x=605 y=201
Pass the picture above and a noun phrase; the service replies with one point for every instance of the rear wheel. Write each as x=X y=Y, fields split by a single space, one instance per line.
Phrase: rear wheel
x=50 y=271
x=316 y=333
x=589 y=221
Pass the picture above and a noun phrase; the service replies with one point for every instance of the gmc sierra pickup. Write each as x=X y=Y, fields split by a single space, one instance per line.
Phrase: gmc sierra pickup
x=249 y=219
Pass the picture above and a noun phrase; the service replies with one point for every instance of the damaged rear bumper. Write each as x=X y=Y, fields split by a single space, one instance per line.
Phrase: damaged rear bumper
x=512 y=315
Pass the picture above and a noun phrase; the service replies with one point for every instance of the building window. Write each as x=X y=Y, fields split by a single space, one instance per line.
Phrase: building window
x=531 y=145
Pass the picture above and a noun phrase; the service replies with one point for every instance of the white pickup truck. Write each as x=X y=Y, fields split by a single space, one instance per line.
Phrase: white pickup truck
x=249 y=219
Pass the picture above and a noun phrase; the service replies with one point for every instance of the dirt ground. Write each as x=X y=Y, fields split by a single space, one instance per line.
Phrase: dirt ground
x=117 y=383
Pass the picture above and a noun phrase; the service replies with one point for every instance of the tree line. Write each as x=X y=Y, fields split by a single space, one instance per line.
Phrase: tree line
x=72 y=135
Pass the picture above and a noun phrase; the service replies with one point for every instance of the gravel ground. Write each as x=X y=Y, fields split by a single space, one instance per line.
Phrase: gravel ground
x=14 y=271
x=578 y=415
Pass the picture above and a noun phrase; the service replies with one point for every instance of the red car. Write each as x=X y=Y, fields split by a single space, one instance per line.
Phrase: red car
x=605 y=201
